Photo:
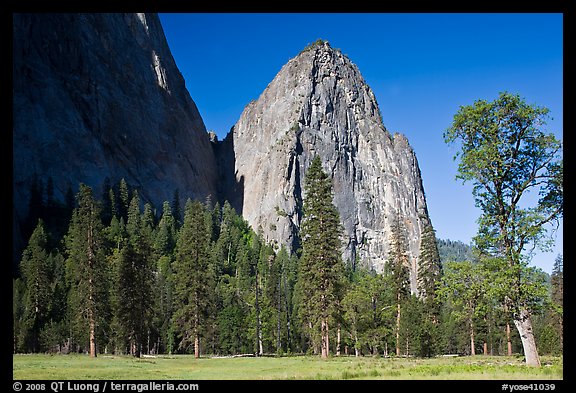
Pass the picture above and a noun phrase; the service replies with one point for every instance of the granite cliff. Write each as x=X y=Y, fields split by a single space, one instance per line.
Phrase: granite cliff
x=99 y=96
x=319 y=104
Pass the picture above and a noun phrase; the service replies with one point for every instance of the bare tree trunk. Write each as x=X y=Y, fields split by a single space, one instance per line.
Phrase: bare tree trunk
x=472 y=345
x=258 y=322
x=91 y=302
x=313 y=340
x=508 y=339
x=562 y=331
x=407 y=353
x=398 y=327
x=278 y=322
x=485 y=346
x=490 y=339
x=196 y=345
x=524 y=325
x=287 y=306
x=92 y=336
x=325 y=343
x=338 y=341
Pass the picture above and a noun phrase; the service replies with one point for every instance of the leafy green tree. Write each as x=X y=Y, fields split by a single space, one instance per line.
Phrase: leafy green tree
x=321 y=271
x=506 y=154
x=414 y=328
x=465 y=284
x=86 y=268
x=193 y=283
x=368 y=312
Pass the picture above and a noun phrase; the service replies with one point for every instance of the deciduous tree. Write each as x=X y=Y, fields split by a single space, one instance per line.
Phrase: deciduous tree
x=506 y=154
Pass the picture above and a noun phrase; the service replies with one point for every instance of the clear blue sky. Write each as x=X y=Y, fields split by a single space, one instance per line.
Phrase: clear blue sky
x=421 y=67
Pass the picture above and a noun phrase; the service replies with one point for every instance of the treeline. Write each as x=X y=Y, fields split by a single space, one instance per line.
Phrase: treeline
x=113 y=275
x=454 y=250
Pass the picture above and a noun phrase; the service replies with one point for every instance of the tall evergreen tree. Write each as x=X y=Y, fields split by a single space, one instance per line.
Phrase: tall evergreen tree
x=289 y=268
x=176 y=209
x=18 y=296
x=429 y=276
x=193 y=284
x=429 y=265
x=135 y=280
x=164 y=244
x=86 y=269
x=108 y=208
x=36 y=274
x=123 y=199
x=321 y=270
x=397 y=271
x=557 y=282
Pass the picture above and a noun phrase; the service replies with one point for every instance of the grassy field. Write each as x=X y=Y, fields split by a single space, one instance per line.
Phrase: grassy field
x=301 y=367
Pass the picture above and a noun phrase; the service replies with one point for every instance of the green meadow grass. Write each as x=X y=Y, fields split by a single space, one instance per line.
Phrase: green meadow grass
x=61 y=367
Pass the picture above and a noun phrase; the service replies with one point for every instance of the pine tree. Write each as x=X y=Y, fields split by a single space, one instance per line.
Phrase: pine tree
x=18 y=296
x=124 y=199
x=193 y=284
x=108 y=209
x=396 y=270
x=164 y=244
x=288 y=264
x=135 y=279
x=275 y=295
x=429 y=276
x=176 y=210
x=36 y=274
x=321 y=268
x=86 y=269
x=429 y=265
x=557 y=282
x=233 y=253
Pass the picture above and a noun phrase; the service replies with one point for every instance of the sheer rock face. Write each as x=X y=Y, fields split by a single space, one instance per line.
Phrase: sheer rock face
x=99 y=95
x=320 y=104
